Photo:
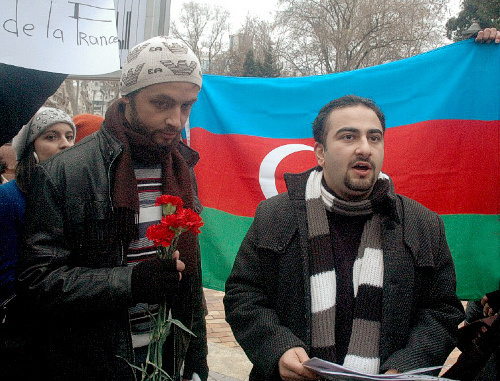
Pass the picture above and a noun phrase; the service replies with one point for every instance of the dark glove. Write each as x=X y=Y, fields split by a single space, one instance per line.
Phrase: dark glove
x=155 y=281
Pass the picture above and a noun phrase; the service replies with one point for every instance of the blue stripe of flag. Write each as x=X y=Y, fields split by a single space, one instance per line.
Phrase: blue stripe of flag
x=457 y=81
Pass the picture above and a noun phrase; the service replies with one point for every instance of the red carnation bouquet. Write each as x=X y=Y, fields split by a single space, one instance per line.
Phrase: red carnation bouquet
x=175 y=221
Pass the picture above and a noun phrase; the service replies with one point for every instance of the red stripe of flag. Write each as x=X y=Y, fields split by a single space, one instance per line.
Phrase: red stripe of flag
x=450 y=166
x=228 y=170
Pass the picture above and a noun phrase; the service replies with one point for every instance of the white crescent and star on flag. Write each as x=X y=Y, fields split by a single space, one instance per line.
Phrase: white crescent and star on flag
x=267 y=171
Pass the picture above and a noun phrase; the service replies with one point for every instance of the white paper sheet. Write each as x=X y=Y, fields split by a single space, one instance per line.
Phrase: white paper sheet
x=61 y=36
x=334 y=371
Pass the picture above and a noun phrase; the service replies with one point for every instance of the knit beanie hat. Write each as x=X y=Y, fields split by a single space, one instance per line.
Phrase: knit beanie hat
x=86 y=124
x=157 y=60
x=43 y=119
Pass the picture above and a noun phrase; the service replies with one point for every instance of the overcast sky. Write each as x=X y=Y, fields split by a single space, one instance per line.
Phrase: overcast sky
x=261 y=8
x=238 y=9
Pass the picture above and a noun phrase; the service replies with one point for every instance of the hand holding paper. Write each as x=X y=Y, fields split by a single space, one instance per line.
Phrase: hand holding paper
x=291 y=365
x=333 y=371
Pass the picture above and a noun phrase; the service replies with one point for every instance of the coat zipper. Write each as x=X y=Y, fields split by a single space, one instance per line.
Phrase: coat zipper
x=122 y=251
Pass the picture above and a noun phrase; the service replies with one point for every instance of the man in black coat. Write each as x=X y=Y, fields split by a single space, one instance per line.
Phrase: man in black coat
x=341 y=267
x=88 y=271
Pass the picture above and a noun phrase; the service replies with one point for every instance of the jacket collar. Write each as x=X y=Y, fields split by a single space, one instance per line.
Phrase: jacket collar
x=190 y=155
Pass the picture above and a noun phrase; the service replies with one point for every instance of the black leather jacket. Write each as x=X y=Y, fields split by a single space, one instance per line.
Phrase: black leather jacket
x=73 y=273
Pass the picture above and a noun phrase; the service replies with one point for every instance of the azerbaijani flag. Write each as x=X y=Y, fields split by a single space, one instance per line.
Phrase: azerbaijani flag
x=441 y=149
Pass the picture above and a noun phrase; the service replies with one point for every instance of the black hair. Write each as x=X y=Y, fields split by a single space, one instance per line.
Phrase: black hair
x=25 y=168
x=319 y=131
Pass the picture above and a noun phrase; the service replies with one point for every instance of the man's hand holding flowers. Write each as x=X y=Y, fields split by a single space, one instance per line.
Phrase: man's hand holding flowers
x=157 y=280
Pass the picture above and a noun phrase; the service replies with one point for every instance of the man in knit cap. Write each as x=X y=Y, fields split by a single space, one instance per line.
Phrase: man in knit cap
x=341 y=267
x=88 y=275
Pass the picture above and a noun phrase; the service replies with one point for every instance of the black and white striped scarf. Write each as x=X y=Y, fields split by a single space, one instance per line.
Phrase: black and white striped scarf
x=368 y=271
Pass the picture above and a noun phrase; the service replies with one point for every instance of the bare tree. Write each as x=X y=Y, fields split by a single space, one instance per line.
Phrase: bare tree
x=60 y=99
x=76 y=96
x=72 y=96
x=85 y=99
x=218 y=35
x=255 y=36
x=73 y=93
x=204 y=28
x=110 y=91
x=240 y=44
x=326 y=36
x=193 y=21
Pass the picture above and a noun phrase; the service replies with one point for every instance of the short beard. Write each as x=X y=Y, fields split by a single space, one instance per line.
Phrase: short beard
x=362 y=187
x=359 y=187
x=135 y=122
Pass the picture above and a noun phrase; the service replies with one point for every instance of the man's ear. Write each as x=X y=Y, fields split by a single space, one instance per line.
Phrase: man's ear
x=319 y=152
x=126 y=99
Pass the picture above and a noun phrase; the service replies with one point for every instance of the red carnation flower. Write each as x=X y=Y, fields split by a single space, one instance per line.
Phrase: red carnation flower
x=167 y=199
x=161 y=235
x=192 y=220
x=169 y=204
x=175 y=221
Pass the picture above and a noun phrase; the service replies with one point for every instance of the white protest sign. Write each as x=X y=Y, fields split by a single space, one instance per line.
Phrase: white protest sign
x=61 y=36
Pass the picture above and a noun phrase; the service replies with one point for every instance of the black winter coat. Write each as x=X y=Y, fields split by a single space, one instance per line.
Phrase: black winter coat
x=268 y=302
x=74 y=282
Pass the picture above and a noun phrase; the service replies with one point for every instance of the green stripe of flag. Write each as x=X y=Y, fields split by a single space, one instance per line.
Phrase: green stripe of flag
x=474 y=241
x=220 y=240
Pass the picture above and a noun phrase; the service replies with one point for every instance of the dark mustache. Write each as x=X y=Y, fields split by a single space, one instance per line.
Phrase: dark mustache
x=365 y=159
